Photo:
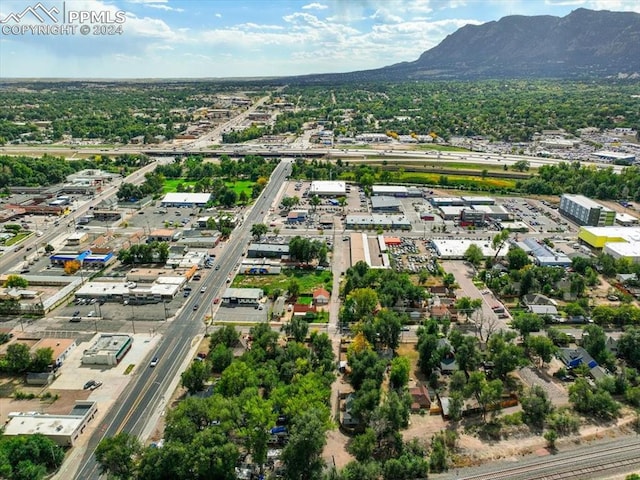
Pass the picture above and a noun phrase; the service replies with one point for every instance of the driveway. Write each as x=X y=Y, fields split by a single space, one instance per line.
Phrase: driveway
x=463 y=274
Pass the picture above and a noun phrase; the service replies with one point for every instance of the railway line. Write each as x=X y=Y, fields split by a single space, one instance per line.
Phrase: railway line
x=588 y=463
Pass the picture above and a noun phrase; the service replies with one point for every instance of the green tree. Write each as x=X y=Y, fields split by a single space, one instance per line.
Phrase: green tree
x=194 y=377
x=258 y=230
x=629 y=347
x=42 y=359
x=474 y=255
x=362 y=446
x=314 y=201
x=517 y=258
x=258 y=419
x=551 y=436
x=116 y=455
x=16 y=281
x=293 y=288
x=297 y=328
x=302 y=456
x=226 y=335
x=541 y=348
x=535 y=407
x=220 y=357
x=526 y=323
x=399 y=372
x=18 y=358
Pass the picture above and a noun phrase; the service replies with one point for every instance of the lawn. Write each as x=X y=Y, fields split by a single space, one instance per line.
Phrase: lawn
x=171 y=185
x=241 y=186
x=308 y=280
x=458 y=180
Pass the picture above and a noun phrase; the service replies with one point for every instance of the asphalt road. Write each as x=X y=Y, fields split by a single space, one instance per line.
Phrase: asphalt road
x=133 y=409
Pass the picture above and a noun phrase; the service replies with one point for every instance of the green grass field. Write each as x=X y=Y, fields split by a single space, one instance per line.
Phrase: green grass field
x=308 y=280
x=171 y=185
x=241 y=186
x=18 y=238
x=458 y=180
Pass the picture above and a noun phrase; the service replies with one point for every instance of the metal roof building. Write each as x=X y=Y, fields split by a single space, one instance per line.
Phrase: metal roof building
x=385 y=204
x=324 y=188
x=177 y=199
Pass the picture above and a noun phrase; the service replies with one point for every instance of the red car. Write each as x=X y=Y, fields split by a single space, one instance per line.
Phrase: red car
x=216 y=300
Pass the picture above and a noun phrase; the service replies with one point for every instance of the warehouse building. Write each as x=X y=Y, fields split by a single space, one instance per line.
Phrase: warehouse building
x=242 y=296
x=586 y=212
x=385 y=204
x=324 y=188
x=614 y=157
x=494 y=212
x=619 y=242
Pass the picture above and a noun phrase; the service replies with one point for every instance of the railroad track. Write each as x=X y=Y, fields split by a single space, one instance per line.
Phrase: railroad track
x=579 y=465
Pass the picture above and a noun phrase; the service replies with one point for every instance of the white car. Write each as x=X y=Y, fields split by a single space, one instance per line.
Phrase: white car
x=203 y=289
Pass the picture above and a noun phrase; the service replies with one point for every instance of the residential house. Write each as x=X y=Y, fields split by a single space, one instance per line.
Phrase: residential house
x=321 y=296
x=448 y=364
x=420 y=399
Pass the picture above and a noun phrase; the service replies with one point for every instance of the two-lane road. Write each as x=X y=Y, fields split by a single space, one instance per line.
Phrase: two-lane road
x=147 y=387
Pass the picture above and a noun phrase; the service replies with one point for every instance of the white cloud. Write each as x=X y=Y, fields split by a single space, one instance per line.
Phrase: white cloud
x=167 y=8
x=218 y=15
x=315 y=6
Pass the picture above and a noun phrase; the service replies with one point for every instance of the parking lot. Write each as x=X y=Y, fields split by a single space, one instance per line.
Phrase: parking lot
x=241 y=314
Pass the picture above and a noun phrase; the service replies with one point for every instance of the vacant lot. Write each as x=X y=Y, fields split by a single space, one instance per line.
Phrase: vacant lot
x=308 y=280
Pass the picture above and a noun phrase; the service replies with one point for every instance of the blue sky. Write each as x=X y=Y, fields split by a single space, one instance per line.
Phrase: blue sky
x=251 y=38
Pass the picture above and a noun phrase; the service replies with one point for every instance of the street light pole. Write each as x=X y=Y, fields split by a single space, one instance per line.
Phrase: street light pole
x=133 y=325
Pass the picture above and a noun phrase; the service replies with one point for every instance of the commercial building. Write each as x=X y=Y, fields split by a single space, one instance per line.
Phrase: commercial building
x=190 y=200
x=164 y=235
x=295 y=216
x=390 y=190
x=614 y=157
x=61 y=348
x=324 y=188
x=108 y=349
x=371 y=250
x=455 y=249
x=450 y=212
x=446 y=201
x=626 y=220
x=586 y=212
x=373 y=138
x=268 y=250
x=376 y=220
x=164 y=288
x=493 y=212
x=385 y=204
x=242 y=296
x=543 y=255
x=64 y=430
x=479 y=200
x=597 y=237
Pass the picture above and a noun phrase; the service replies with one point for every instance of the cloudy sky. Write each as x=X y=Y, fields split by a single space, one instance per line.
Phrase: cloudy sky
x=247 y=38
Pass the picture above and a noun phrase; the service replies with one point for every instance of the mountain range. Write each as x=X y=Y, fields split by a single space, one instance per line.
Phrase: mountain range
x=583 y=44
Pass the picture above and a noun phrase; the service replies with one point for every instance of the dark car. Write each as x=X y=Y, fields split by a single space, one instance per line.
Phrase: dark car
x=195 y=307
x=75 y=319
x=89 y=384
x=76 y=313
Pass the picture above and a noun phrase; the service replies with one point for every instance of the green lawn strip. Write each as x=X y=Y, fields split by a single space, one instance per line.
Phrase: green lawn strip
x=457 y=180
x=18 y=238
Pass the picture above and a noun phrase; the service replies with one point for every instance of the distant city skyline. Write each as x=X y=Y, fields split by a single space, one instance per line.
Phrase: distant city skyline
x=252 y=38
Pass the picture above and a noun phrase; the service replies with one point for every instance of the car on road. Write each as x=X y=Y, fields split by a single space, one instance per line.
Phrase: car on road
x=216 y=300
x=196 y=306
x=154 y=362
x=217 y=267
x=91 y=313
x=89 y=384
x=76 y=313
x=203 y=289
x=95 y=385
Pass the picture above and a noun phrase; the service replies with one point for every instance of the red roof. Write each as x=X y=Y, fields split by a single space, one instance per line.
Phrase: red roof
x=300 y=308
x=321 y=292
x=392 y=240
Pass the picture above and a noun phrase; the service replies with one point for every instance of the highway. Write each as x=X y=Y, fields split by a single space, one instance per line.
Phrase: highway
x=133 y=409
